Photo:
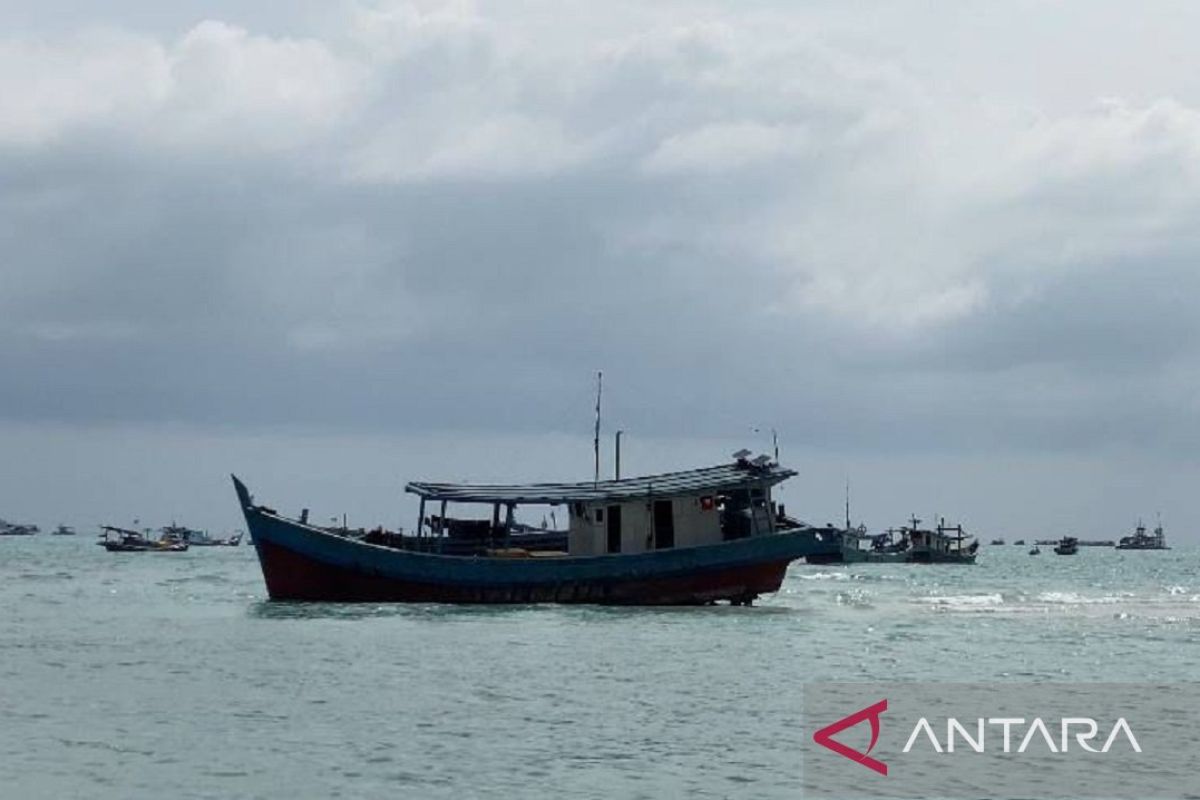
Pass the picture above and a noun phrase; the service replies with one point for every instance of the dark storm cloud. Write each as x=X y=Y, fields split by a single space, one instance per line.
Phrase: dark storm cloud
x=479 y=302
x=448 y=218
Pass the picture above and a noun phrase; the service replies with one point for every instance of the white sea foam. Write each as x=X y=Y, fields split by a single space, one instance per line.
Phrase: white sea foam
x=824 y=576
x=1075 y=598
x=966 y=600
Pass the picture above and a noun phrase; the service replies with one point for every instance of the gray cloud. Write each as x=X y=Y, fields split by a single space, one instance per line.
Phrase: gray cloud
x=392 y=218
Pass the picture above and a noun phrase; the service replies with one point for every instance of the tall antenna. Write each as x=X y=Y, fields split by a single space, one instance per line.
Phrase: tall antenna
x=847 y=504
x=596 y=437
x=775 y=444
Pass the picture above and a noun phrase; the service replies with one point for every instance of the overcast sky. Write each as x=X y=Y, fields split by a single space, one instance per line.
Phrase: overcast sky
x=948 y=251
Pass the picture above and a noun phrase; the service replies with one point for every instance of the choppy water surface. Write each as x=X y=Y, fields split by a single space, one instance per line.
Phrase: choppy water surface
x=169 y=675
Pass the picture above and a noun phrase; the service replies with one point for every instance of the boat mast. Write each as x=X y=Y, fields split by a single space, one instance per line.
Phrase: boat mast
x=847 y=504
x=596 y=436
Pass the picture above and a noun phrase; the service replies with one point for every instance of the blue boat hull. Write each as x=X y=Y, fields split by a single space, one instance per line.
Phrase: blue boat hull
x=300 y=562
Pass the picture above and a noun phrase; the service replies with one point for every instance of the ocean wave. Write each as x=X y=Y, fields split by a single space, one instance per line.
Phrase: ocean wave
x=1075 y=598
x=965 y=600
x=1117 y=605
x=824 y=576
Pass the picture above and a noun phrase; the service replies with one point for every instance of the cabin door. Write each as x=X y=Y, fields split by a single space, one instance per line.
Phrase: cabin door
x=614 y=529
x=664 y=524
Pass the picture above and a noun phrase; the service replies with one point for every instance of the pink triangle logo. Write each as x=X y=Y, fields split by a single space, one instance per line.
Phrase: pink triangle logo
x=824 y=737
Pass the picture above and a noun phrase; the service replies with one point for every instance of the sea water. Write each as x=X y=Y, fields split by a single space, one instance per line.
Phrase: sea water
x=171 y=675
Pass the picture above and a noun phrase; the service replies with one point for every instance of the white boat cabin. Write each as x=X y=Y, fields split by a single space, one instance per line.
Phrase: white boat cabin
x=633 y=515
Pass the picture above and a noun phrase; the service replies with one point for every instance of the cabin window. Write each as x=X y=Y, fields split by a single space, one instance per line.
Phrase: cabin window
x=599 y=515
x=664 y=524
x=578 y=508
x=614 y=529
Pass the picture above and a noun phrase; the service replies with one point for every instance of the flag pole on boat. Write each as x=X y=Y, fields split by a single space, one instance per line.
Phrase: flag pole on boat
x=596 y=436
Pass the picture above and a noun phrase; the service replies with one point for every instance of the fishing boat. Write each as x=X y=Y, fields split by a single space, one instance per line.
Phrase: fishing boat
x=126 y=540
x=997 y=541
x=1140 y=540
x=232 y=540
x=1019 y=542
x=1067 y=546
x=1035 y=551
x=910 y=544
x=825 y=541
x=63 y=530
x=199 y=538
x=889 y=547
x=680 y=538
x=13 y=529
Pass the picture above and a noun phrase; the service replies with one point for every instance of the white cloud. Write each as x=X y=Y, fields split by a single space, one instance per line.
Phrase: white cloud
x=443 y=30
x=232 y=88
x=726 y=147
x=216 y=87
x=49 y=89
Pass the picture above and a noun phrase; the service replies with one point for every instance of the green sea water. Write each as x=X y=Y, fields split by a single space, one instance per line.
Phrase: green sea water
x=170 y=675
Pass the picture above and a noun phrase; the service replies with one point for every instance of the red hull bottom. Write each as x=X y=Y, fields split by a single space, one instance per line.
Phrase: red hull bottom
x=291 y=576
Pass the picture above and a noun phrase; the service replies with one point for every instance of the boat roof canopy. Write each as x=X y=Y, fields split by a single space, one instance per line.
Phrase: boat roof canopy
x=706 y=480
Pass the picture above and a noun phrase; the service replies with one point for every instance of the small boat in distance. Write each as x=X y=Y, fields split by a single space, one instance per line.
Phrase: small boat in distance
x=1019 y=542
x=13 y=529
x=1067 y=546
x=1036 y=551
x=125 y=540
x=1140 y=540
x=998 y=541
x=692 y=537
x=63 y=530
x=199 y=538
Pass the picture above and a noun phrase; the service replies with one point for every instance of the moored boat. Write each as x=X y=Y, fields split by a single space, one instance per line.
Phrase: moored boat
x=1067 y=546
x=1140 y=540
x=13 y=529
x=125 y=540
x=906 y=545
x=681 y=538
x=825 y=541
x=199 y=538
